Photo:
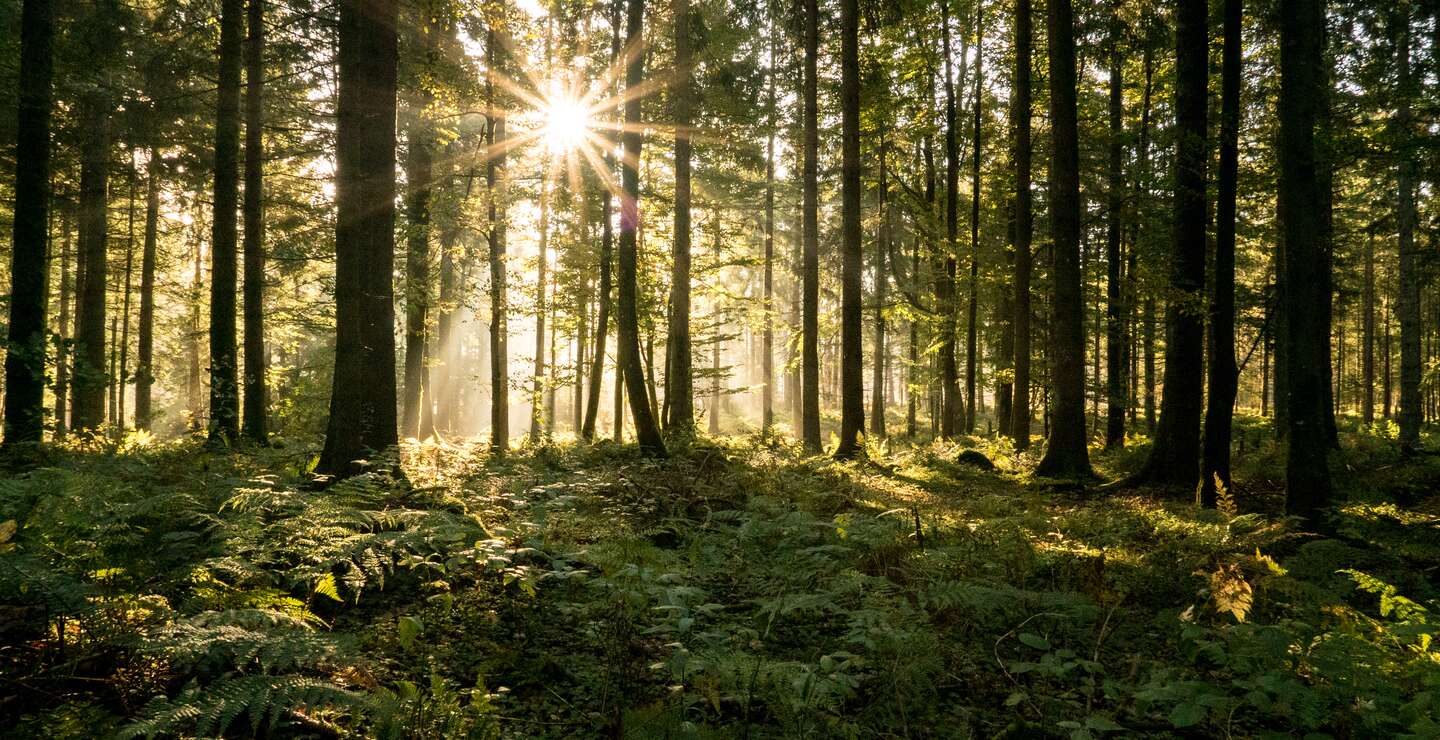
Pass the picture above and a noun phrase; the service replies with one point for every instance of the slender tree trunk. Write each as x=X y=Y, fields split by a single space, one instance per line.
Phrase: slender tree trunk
x=945 y=280
x=1301 y=78
x=627 y=319
x=852 y=361
x=597 y=371
x=1020 y=127
x=1367 y=339
x=29 y=269
x=362 y=403
x=1223 y=374
x=419 y=171
x=192 y=346
x=1411 y=370
x=882 y=247
x=537 y=384
x=767 y=361
x=1066 y=455
x=88 y=403
x=1115 y=342
x=679 y=376
x=499 y=220
x=256 y=403
x=62 y=354
x=145 y=352
x=224 y=426
x=971 y=338
x=810 y=268
x=714 y=426
x=123 y=378
x=1175 y=454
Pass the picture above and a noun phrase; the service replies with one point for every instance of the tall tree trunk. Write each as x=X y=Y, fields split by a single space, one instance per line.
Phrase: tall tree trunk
x=882 y=247
x=224 y=392
x=971 y=318
x=1307 y=472
x=537 y=383
x=192 y=346
x=123 y=378
x=29 y=271
x=88 y=412
x=1175 y=454
x=679 y=377
x=852 y=338
x=1367 y=339
x=498 y=213
x=627 y=318
x=1066 y=455
x=810 y=267
x=256 y=403
x=419 y=171
x=945 y=280
x=767 y=361
x=362 y=403
x=1115 y=308
x=597 y=370
x=1408 y=310
x=1020 y=128
x=145 y=352
x=1224 y=375
x=62 y=354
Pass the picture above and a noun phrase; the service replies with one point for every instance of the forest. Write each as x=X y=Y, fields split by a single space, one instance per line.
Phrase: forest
x=720 y=368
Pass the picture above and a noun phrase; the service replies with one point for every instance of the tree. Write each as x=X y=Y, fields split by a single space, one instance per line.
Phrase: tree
x=602 y=319
x=362 y=401
x=1307 y=473
x=254 y=426
x=1020 y=128
x=1408 y=307
x=1065 y=453
x=810 y=260
x=29 y=271
x=767 y=398
x=852 y=362
x=1175 y=454
x=679 y=378
x=498 y=218
x=145 y=351
x=1223 y=373
x=1115 y=340
x=627 y=318
x=971 y=315
x=224 y=392
x=945 y=279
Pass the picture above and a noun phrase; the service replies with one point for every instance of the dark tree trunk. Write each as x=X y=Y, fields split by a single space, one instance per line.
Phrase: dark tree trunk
x=1367 y=339
x=971 y=318
x=123 y=378
x=597 y=369
x=145 y=352
x=362 y=403
x=1301 y=78
x=537 y=382
x=29 y=270
x=882 y=246
x=679 y=377
x=1408 y=309
x=1115 y=304
x=945 y=281
x=852 y=361
x=767 y=397
x=1066 y=455
x=419 y=170
x=498 y=220
x=1224 y=375
x=224 y=426
x=62 y=354
x=1175 y=454
x=255 y=427
x=627 y=319
x=88 y=412
x=810 y=267
x=1020 y=127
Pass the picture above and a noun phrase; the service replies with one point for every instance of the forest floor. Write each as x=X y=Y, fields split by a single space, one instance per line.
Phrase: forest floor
x=736 y=589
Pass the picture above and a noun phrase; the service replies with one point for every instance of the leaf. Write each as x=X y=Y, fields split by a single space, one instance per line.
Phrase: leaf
x=1015 y=698
x=326 y=587
x=409 y=628
x=1035 y=641
x=1101 y=722
x=1186 y=715
x=7 y=530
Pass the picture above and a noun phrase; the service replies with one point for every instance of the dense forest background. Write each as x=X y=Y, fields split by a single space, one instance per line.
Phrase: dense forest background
x=921 y=367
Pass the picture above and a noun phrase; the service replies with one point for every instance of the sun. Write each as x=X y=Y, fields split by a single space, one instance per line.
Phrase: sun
x=567 y=122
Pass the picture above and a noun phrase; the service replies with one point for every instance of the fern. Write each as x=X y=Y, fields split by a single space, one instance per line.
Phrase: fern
x=268 y=702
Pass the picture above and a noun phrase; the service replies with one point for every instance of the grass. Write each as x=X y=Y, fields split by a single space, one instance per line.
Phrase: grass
x=737 y=589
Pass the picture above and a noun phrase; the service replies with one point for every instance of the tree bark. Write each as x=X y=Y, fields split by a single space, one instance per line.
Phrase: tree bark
x=1367 y=339
x=1020 y=127
x=29 y=268
x=362 y=403
x=1408 y=308
x=679 y=376
x=627 y=319
x=945 y=281
x=88 y=402
x=1066 y=455
x=810 y=267
x=419 y=171
x=852 y=361
x=1223 y=374
x=64 y=335
x=498 y=213
x=882 y=247
x=767 y=396
x=1115 y=304
x=145 y=352
x=1301 y=68
x=224 y=428
x=971 y=317
x=255 y=426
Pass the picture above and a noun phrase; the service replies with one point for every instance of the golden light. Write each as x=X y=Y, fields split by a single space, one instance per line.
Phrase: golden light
x=567 y=122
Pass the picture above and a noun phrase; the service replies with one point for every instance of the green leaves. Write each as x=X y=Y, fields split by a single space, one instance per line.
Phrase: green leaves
x=408 y=629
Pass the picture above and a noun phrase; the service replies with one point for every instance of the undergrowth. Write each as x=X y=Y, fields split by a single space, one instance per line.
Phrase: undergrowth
x=737 y=589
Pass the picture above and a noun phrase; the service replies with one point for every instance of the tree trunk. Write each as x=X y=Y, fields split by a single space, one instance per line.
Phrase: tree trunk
x=627 y=319
x=852 y=361
x=419 y=170
x=945 y=279
x=1066 y=455
x=767 y=397
x=882 y=247
x=62 y=354
x=597 y=370
x=224 y=426
x=971 y=338
x=123 y=378
x=679 y=376
x=1115 y=307
x=1408 y=310
x=1020 y=127
x=255 y=426
x=498 y=212
x=1301 y=68
x=88 y=412
x=1175 y=453
x=1223 y=374
x=1367 y=339
x=810 y=267
x=145 y=352
x=29 y=269
x=362 y=403
x=537 y=382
